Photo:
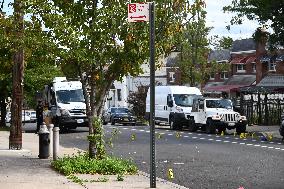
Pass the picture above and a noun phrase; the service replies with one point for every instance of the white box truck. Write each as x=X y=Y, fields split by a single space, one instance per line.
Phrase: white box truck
x=173 y=105
x=66 y=103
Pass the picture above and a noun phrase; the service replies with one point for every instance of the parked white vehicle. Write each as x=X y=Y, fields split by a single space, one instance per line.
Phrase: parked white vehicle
x=25 y=117
x=173 y=105
x=66 y=102
x=210 y=114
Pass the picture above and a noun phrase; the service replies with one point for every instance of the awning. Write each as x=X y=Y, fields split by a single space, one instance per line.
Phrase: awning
x=265 y=58
x=251 y=59
x=239 y=60
x=223 y=88
x=280 y=58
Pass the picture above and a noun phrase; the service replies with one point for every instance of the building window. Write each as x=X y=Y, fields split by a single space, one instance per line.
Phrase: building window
x=272 y=66
x=212 y=76
x=241 y=68
x=118 y=94
x=224 y=75
x=171 y=77
x=253 y=67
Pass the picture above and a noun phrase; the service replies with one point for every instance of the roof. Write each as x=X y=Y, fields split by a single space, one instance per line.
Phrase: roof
x=239 y=60
x=269 y=84
x=244 y=80
x=272 y=81
x=243 y=45
x=219 y=55
x=172 y=59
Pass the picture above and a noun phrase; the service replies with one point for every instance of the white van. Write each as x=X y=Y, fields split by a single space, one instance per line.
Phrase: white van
x=173 y=105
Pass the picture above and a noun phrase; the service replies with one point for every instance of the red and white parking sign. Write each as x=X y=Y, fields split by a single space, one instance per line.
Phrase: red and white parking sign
x=138 y=12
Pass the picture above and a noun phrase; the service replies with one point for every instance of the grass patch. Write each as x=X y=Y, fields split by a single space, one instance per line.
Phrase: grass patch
x=82 y=164
x=4 y=128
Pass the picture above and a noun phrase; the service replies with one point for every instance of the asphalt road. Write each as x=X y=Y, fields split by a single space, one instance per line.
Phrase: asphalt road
x=198 y=160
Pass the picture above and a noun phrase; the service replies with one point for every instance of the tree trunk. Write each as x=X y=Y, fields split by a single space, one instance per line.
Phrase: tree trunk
x=15 y=139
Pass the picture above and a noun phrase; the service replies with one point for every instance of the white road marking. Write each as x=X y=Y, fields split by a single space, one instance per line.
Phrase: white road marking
x=210 y=139
x=256 y=145
x=218 y=140
x=124 y=128
x=194 y=137
x=226 y=141
x=254 y=140
x=249 y=144
x=178 y=163
x=271 y=142
x=170 y=134
x=209 y=135
x=133 y=129
x=217 y=136
x=263 y=146
x=282 y=149
x=147 y=131
x=227 y=137
x=234 y=143
x=185 y=136
x=190 y=133
x=279 y=143
x=142 y=130
x=201 y=138
x=277 y=148
x=270 y=147
x=242 y=143
x=199 y=134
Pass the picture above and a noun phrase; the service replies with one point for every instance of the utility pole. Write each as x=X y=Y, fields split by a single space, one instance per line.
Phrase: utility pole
x=15 y=139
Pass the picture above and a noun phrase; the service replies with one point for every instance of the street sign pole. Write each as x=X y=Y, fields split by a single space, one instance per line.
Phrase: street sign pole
x=152 y=96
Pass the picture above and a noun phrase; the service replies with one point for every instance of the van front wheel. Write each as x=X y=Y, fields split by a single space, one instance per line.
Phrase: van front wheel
x=173 y=125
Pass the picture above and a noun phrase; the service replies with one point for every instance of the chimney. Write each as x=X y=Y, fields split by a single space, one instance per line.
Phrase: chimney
x=260 y=37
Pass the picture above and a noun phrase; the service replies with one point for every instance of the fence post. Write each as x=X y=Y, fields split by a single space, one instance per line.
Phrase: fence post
x=259 y=121
x=266 y=118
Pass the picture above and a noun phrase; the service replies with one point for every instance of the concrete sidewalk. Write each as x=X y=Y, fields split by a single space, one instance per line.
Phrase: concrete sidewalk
x=22 y=169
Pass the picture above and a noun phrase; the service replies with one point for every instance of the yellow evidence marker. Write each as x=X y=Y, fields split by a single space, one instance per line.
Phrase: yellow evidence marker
x=178 y=135
x=222 y=133
x=133 y=137
x=170 y=174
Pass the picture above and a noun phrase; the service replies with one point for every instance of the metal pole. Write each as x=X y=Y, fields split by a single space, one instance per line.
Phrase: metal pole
x=55 y=142
x=152 y=96
x=50 y=129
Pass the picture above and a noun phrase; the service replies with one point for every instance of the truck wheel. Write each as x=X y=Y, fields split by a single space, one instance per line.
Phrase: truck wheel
x=191 y=126
x=210 y=128
x=112 y=122
x=173 y=125
x=241 y=129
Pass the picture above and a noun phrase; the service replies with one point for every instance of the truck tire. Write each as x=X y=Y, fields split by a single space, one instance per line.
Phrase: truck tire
x=210 y=128
x=192 y=126
x=173 y=125
x=241 y=129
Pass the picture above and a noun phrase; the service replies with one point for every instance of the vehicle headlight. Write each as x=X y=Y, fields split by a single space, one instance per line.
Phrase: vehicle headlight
x=243 y=118
x=64 y=112
x=179 y=109
x=216 y=117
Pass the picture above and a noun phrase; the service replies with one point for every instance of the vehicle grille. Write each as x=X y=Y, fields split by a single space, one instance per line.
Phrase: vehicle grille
x=77 y=112
x=229 y=117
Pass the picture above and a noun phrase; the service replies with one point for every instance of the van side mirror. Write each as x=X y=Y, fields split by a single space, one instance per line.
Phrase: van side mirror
x=170 y=102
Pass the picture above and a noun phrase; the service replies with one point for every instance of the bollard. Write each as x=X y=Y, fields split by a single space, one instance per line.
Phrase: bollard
x=43 y=142
x=55 y=142
x=50 y=128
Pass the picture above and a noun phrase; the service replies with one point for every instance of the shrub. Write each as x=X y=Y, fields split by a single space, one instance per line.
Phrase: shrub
x=82 y=164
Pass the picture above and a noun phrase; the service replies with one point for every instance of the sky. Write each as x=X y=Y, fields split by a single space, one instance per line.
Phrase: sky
x=216 y=18
x=219 y=20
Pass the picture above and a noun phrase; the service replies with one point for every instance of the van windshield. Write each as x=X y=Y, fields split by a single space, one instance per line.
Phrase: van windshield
x=66 y=96
x=184 y=99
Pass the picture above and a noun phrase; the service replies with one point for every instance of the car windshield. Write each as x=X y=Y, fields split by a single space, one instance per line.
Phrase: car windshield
x=219 y=103
x=184 y=99
x=119 y=110
x=66 y=96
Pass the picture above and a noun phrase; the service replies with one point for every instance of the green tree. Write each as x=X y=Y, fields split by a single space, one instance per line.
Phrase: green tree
x=195 y=47
x=221 y=43
x=269 y=13
x=97 y=44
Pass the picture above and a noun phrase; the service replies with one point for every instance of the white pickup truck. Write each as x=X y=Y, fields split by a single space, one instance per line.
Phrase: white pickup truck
x=210 y=114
